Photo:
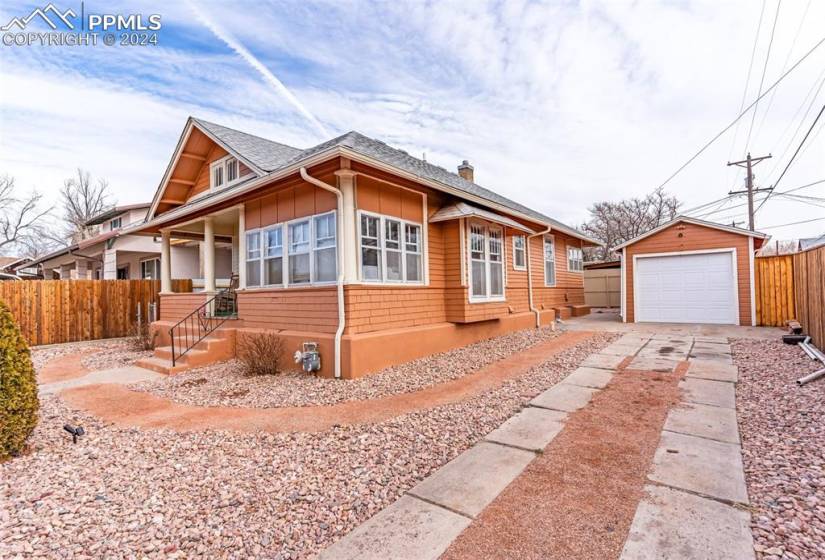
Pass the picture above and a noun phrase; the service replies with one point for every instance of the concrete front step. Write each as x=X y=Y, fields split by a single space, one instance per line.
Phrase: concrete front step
x=218 y=346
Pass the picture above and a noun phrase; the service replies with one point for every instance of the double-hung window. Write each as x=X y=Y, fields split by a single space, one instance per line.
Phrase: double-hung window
x=324 y=252
x=391 y=250
x=274 y=255
x=253 y=258
x=486 y=262
x=299 y=249
x=298 y=252
x=519 y=252
x=575 y=260
x=549 y=261
x=116 y=223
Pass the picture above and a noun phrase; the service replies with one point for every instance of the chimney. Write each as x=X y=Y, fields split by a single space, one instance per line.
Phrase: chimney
x=466 y=170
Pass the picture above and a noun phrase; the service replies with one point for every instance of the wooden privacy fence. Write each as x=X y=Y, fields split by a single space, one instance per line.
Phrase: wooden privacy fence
x=774 y=283
x=53 y=311
x=809 y=281
x=792 y=287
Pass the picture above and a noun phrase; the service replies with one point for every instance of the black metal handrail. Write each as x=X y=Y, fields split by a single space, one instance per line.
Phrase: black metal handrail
x=202 y=322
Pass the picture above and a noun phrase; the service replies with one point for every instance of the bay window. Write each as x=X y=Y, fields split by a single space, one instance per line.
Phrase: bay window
x=486 y=262
x=391 y=249
x=575 y=260
x=519 y=255
x=299 y=252
x=549 y=261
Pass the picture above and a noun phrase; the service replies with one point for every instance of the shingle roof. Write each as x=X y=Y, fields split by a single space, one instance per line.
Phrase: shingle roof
x=271 y=156
x=264 y=154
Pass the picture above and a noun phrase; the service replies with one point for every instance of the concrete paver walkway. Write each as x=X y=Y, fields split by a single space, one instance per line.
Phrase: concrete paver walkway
x=605 y=484
x=696 y=508
x=121 y=375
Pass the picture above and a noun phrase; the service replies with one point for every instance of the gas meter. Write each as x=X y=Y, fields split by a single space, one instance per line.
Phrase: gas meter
x=309 y=357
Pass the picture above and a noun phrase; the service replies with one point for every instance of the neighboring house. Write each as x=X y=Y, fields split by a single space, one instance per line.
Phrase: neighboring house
x=20 y=267
x=111 y=255
x=376 y=255
x=690 y=271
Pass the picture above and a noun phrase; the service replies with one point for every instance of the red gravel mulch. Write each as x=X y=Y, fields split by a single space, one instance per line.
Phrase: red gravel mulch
x=782 y=427
x=578 y=499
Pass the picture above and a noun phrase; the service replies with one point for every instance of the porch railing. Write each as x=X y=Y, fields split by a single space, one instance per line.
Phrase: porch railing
x=202 y=322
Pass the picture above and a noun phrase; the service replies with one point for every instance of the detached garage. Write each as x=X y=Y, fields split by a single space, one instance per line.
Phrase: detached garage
x=690 y=271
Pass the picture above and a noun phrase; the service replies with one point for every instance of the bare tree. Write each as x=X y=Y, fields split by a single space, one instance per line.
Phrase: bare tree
x=83 y=200
x=20 y=217
x=613 y=223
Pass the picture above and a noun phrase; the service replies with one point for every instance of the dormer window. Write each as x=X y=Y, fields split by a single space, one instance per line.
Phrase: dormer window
x=116 y=223
x=224 y=172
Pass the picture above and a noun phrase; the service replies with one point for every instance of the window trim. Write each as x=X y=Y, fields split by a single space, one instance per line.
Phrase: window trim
x=285 y=240
x=148 y=259
x=523 y=251
x=422 y=252
x=580 y=260
x=544 y=261
x=119 y=221
x=224 y=164
x=488 y=297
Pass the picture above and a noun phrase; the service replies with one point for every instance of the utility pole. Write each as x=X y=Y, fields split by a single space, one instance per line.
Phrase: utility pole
x=749 y=163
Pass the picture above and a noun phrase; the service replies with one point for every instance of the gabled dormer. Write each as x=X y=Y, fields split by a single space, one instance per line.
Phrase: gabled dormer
x=210 y=158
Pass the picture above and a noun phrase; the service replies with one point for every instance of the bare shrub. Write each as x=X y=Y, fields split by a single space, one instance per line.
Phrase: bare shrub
x=142 y=336
x=260 y=353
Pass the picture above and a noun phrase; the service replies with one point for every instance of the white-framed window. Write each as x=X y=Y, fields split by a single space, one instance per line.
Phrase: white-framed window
x=273 y=255
x=324 y=251
x=299 y=252
x=150 y=269
x=224 y=172
x=519 y=252
x=575 y=259
x=549 y=261
x=253 y=258
x=486 y=262
x=391 y=249
x=116 y=223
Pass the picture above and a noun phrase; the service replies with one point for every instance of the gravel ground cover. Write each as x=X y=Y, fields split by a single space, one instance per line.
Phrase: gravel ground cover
x=225 y=384
x=783 y=444
x=104 y=354
x=135 y=493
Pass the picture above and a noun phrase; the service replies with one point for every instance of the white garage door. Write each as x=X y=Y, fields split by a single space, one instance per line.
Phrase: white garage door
x=686 y=289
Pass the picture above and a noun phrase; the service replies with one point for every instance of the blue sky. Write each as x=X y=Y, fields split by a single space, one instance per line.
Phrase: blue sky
x=556 y=104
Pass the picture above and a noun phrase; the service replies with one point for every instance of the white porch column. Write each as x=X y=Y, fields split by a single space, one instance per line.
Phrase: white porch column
x=208 y=255
x=241 y=247
x=165 y=262
x=346 y=182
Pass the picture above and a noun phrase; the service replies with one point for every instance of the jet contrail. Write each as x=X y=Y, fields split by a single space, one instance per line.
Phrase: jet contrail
x=236 y=46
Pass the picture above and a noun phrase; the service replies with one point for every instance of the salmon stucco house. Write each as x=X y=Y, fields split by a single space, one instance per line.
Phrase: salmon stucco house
x=377 y=256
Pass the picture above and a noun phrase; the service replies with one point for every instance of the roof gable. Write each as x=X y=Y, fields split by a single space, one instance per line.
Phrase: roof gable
x=694 y=221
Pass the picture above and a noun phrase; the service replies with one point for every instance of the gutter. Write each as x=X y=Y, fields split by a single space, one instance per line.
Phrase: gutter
x=353 y=155
x=533 y=308
x=339 y=245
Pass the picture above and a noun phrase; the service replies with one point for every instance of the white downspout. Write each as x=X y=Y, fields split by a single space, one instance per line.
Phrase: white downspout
x=339 y=226
x=533 y=308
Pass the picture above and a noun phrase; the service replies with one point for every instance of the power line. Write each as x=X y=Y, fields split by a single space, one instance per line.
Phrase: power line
x=729 y=126
x=793 y=156
x=747 y=83
x=764 y=71
x=795 y=223
x=784 y=65
x=730 y=198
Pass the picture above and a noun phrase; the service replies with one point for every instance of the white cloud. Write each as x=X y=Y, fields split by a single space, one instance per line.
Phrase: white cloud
x=556 y=105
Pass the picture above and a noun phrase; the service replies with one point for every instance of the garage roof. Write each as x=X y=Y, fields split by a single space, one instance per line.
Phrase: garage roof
x=695 y=221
